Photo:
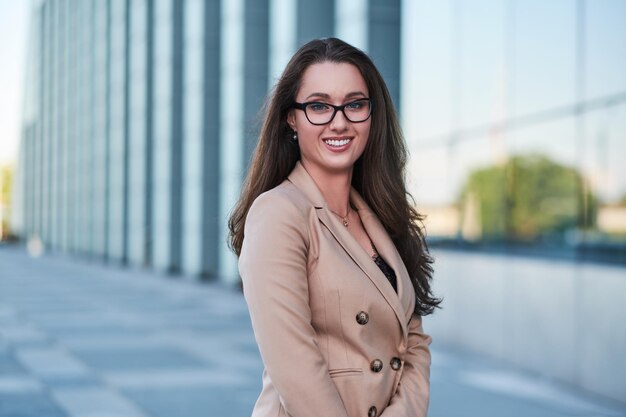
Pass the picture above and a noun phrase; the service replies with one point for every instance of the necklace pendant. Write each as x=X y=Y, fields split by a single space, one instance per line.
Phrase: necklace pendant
x=345 y=222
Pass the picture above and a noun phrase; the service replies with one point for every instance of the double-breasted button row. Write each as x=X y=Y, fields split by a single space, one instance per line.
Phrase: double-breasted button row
x=362 y=318
x=376 y=365
x=396 y=363
x=372 y=412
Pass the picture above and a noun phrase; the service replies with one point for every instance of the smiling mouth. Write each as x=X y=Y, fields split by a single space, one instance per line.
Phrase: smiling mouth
x=337 y=143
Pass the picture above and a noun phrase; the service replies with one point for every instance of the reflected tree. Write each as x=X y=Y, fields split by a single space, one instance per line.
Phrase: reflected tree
x=6 y=181
x=528 y=198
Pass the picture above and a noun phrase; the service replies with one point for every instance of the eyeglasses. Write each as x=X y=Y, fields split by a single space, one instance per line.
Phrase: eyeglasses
x=319 y=113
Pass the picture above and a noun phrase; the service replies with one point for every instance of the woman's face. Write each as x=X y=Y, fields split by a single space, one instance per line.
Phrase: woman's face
x=333 y=147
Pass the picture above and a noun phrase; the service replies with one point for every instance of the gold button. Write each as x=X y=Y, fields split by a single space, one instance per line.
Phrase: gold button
x=362 y=318
x=396 y=363
x=376 y=365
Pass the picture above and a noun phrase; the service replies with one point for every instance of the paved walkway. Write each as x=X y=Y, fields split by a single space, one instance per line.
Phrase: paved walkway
x=81 y=339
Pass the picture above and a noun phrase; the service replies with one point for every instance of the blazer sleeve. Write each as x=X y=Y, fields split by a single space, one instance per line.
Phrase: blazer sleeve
x=273 y=268
x=413 y=392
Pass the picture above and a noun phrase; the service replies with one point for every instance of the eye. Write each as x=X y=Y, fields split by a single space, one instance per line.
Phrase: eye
x=357 y=105
x=318 y=107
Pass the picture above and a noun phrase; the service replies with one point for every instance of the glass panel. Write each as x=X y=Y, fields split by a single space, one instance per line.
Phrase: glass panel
x=481 y=53
x=605 y=35
x=544 y=55
x=606 y=173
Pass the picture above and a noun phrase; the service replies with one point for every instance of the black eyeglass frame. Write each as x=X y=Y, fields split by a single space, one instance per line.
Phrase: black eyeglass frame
x=302 y=106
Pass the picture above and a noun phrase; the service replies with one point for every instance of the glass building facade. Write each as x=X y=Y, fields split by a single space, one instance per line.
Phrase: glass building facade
x=141 y=116
x=515 y=112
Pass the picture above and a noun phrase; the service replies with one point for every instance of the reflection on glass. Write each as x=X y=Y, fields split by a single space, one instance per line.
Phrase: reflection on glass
x=517 y=130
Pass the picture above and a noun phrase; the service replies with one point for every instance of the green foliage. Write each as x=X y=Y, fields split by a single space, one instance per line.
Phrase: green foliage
x=6 y=181
x=530 y=197
x=6 y=176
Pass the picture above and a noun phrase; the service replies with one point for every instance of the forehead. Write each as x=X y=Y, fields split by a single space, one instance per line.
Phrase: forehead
x=334 y=79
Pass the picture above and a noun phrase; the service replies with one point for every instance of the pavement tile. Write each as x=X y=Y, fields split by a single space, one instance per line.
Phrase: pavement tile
x=21 y=333
x=535 y=389
x=29 y=405
x=138 y=359
x=172 y=378
x=8 y=363
x=51 y=362
x=68 y=381
x=196 y=401
x=95 y=341
x=109 y=330
x=18 y=383
x=96 y=402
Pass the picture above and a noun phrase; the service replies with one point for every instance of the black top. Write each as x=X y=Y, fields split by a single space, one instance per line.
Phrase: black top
x=387 y=270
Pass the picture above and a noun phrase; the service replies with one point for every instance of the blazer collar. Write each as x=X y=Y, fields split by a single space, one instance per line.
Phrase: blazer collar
x=305 y=183
x=401 y=303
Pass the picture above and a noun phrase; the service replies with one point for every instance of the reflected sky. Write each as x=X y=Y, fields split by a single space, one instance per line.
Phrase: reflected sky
x=469 y=64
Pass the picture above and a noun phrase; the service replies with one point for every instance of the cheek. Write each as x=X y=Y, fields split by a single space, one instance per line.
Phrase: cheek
x=308 y=138
x=309 y=131
x=302 y=122
x=365 y=130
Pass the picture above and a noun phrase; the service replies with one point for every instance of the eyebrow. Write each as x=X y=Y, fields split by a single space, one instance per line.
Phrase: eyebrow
x=326 y=96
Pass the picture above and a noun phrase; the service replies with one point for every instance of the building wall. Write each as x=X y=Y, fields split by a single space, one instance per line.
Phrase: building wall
x=486 y=84
x=554 y=318
x=137 y=153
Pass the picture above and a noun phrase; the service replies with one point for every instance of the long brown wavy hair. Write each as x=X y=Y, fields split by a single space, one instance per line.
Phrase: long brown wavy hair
x=378 y=174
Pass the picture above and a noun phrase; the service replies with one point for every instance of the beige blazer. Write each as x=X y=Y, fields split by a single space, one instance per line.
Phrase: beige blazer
x=335 y=338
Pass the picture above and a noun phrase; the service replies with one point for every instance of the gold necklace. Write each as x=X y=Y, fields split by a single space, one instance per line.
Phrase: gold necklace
x=344 y=220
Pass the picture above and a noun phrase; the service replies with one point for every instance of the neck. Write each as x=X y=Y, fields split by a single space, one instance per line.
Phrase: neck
x=334 y=186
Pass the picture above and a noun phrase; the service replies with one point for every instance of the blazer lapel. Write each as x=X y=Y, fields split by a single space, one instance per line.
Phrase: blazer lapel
x=386 y=248
x=398 y=302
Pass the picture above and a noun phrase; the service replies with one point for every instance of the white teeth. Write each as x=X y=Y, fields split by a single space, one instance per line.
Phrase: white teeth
x=337 y=143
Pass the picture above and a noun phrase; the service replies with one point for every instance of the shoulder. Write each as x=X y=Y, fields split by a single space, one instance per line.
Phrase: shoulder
x=283 y=202
x=278 y=218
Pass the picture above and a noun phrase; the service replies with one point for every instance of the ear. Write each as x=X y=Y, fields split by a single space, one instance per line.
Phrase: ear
x=291 y=120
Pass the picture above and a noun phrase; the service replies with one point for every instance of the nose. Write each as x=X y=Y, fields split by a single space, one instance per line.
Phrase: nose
x=339 y=122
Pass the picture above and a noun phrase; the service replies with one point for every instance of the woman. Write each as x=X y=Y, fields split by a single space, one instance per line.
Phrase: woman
x=334 y=265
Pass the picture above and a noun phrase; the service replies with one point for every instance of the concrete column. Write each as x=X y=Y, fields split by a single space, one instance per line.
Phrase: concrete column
x=55 y=115
x=98 y=131
x=64 y=150
x=231 y=125
x=201 y=131
x=211 y=220
x=352 y=22
x=256 y=70
x=83 y=232
x=315 y=19
x=137 y=123
x=167 y=143
x=74 y=120
x=283 y=17
x=384 y=46
x=47 y=133
x=116 y=129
